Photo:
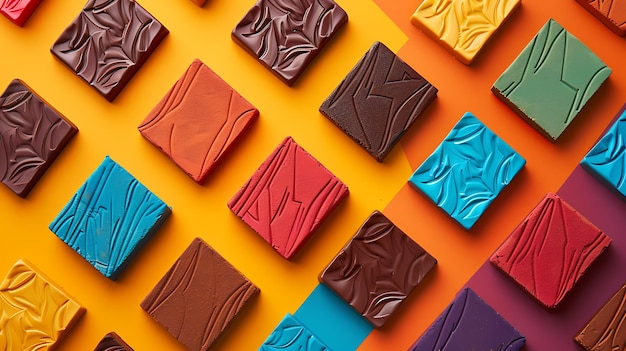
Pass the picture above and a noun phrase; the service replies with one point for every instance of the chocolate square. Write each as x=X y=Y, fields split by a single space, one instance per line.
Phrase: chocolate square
x=467 y=171
x=469 y=323
x=378 y=268
x=564 y=75
x=548 y=252
x=112 y=342
x=199 y=296
x=32 y=135
x=607 y=158
x=378 y=100
x=288 y=197
x=462 y=27
x=198 y=120
x=35 y=313
x=18 y=11
x=610 y=12
x=606 y=330
x=110 y=218
x=291 y=335
x=108 y=42
x=286 y=35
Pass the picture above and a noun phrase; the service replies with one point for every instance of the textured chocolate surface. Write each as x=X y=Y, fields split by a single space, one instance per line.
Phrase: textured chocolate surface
x=378 y=100
x=285 y=35
x=199 y=296
x=565 y=75
x=32 y=134
x=108 y=42
x=35 y=313
x=288 y=197
x=198 y=120
x=467 y=171
x=18 y=11
x=378 y=268
x=611 y=12
x=548 y=252
x=112 y=342
x=292 y=335
x=469 y=323
x=110 y=218
x=606 y=331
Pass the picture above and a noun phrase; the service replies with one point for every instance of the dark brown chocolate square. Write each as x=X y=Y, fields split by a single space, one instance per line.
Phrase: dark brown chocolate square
x=32 y=135
x=378 y=268
x=285 y=35
x=378 y=100
x=199 y=296
x=112 y=342
x=108 y=42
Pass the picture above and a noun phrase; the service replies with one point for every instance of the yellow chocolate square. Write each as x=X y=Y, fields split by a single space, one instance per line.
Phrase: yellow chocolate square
x=463 y=27
x=34 y=312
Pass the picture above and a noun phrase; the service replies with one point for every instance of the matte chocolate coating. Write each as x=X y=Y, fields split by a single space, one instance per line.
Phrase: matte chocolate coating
x=378 y=100
x=285 y=35
x=469 y=323
x=378 y=268
x=288 y=197
x=112 y=342
x=110 y=218
x=198 y=120
x=35 y=313
x=32 y=135
x=199 y=296
x=18 y=11
x=548 y=252
x=565 y=75
x=606 y=331
x=610 y=12
x=108 y=42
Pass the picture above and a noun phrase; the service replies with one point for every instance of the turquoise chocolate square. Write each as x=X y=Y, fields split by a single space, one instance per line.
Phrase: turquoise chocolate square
x=607 y=158
x=467 y=171
x=291 y=335
x=551 y=80
x=110 y=218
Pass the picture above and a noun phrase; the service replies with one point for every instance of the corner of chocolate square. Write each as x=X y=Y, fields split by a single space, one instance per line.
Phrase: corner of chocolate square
x=32 y=135
x=606 y=330
x=199 y=296
x=18 y=11
x=108 y=42
x=378 y=100
x=377 y=269
x=112 y=342
x=558 y=242
x=286 y=35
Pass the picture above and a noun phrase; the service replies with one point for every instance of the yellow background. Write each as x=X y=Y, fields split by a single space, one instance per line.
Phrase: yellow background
x=111 y=129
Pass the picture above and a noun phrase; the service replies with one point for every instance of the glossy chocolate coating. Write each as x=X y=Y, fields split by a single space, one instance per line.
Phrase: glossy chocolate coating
x=108 y=42
x=112 y=342
x=378 y=100
x=285 y=35
x=32 y=135
x=199 y=296
x=377 y=270
x=606 y=331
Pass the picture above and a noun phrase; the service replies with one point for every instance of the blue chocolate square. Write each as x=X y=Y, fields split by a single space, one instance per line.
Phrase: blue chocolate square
x=291 y=335
x=607 y=158
x=110 y=218
x=467 y=171
x=469 y=323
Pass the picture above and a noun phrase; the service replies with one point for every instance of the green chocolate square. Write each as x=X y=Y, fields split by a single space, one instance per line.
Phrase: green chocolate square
x=551 y=80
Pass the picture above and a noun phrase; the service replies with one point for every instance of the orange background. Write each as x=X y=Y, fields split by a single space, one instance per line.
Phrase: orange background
x=111 y=129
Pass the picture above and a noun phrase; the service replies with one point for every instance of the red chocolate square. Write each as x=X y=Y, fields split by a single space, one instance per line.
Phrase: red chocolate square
x=18 y=11
x=288 y=197
x=550 y=250
x=198 y=120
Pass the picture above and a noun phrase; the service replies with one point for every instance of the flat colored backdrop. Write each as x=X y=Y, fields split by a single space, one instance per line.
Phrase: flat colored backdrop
x=111 y=129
